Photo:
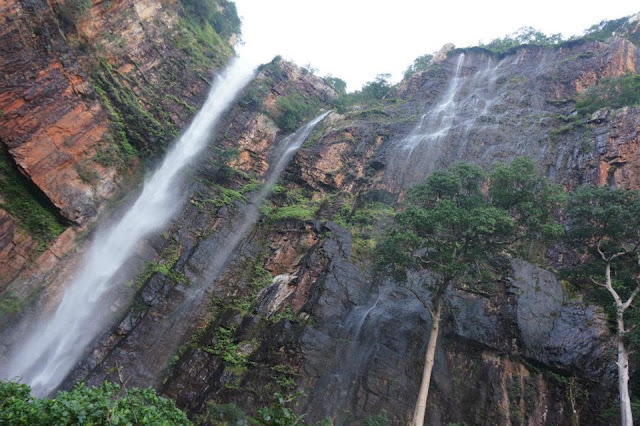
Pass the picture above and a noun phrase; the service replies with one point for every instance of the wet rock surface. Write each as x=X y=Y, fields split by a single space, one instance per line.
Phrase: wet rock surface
x=297 y=306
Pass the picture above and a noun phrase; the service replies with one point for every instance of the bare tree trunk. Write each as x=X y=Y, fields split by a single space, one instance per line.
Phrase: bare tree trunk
x=421 y=405
x=623 y=373
x=623 y=355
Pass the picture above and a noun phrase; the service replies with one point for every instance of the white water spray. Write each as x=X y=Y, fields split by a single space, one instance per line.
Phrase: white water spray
x=287 y=149
x=47 y=355
x=437 y=122
x=152 y=342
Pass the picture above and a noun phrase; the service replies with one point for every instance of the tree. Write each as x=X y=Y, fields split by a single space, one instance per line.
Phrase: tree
x=603 y=224
x=419 y=64
x=376 y=89
x=452 y=226
x=338 y=84
x=107 y=404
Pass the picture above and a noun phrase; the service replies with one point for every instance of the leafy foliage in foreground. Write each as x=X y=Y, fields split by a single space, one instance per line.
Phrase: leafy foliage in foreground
x=107 y=404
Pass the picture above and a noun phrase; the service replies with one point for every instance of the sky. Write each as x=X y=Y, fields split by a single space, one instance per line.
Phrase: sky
x=358 y=39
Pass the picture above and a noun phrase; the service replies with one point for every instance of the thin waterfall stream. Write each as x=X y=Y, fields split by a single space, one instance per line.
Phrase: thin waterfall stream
x=444 y=129
x=46 y=355
x=156 y=338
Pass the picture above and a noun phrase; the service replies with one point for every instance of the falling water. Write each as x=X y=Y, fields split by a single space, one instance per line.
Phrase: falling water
x=287 y=149
x=437 y=123
x=445 y=130
x=156 y=338
x=47 y=355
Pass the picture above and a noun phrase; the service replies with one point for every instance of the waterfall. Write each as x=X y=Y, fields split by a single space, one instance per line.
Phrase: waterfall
x=444 y=131
x=437 y=122
x=286 y=149
x=46 y=356
x=158 y=335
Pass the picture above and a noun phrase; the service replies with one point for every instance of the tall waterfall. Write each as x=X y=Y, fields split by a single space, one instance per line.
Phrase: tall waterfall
x=157 y=337
x=287 y=148
x=46 y=356
x=444 y=130
x=436 y=123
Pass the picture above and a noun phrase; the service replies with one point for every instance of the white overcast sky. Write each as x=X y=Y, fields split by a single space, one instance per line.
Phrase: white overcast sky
x=358 y=39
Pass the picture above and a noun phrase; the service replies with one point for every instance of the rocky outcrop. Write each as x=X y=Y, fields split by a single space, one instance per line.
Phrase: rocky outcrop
x=87 y=94
x=617 y=136
x=48 y=123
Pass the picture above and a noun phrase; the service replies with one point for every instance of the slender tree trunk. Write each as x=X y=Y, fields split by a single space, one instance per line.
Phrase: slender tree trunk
x=421 y=405
x=623 y=373
x=623 y=355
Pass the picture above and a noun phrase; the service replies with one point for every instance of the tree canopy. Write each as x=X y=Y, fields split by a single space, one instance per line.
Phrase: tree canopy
x=461 y=216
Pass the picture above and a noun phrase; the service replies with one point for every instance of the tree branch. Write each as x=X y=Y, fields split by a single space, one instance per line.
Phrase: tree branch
x=613 y=256
x=600 y=251
x=415 y=293
x=598 y=283
x=629 y=301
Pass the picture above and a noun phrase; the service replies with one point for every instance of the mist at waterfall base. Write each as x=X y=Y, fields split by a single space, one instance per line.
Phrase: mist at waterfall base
x=56 y=344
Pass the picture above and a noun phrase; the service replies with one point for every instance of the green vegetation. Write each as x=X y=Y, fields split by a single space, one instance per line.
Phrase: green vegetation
x=304 y=211
x=228 y=350
x=223 y=414
x=419 y=64
x=133 y=125
x=108 y=404
x=605 y=29
x=221 y=163
x=525 y=35
x=372 y=91
x=602 y=226
x=279 y=413
x=366 y=223
x=201 y=43
x=379 y=419
x=338 y=84
x=532 y=202
x=292 y=110
x=10 y=304
x=24 y=202
x=611 y=93
x=568 y=124
x=256 y=93
x=297 y=206
x=71 y=11
x=454 y=224
x=164 y=266
x=221 y=15
x=202 y=34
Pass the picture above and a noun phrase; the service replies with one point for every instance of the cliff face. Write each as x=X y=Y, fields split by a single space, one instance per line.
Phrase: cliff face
x=522 y=350
x=87 y=91
x=220 y=312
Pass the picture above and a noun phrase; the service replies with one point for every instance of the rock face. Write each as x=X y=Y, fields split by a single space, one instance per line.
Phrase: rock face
x=47 y=123
x=209 y=314
x=84 y=96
